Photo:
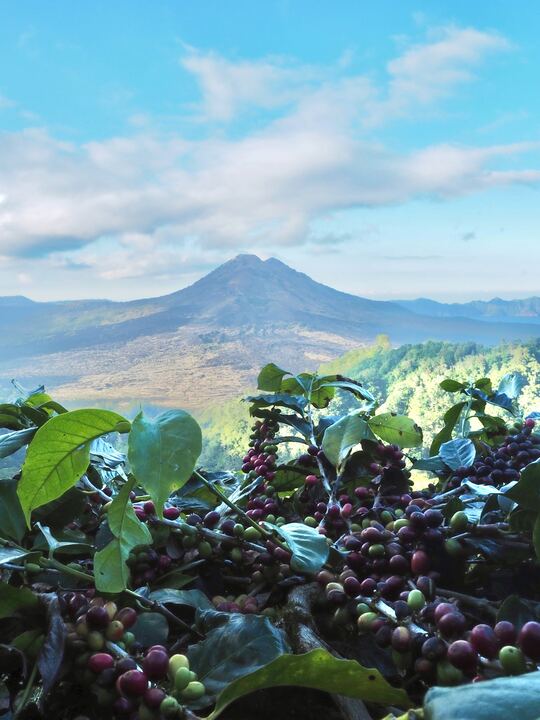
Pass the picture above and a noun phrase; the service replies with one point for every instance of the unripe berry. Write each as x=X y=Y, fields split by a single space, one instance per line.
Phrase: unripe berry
x=416 y=600
x=176 y=662
x=115 y=631
x=169 y=707
x=512 y=660
x=194 y=691
x=95 y=641
x=365 y=621
x=459 y=522
x=182 y=678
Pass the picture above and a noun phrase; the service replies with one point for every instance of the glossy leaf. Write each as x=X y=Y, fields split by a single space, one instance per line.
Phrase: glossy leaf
x=308 y=547
x=450 y=420
x=59 y=454
x=11 y=442
x=317 y=669
x=270 y=378
x=191 y=598
x=243 y=644
x=526 y=492
x=396 y=429
x=458 y=453
x=340 y=438
x=452 y=386
x=497 y=699
x=14 y=599
x=163 y=452
x=110 y=569
x=12 y=522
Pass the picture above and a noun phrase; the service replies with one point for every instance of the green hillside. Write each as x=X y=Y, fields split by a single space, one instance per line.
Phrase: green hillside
x=406 y=379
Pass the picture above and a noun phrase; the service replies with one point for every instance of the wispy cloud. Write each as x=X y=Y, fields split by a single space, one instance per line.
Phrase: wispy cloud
x=163 y=201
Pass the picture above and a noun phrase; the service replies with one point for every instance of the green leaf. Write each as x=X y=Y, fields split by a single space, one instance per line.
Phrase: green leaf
x=308 y=547
x=452 y=386
x=458 y=453
x=13 y=599
x=518 y=611
x=396 y=429
x=536 y=536
x=450 y=419
x=526 y=492
x=293 y=402
x=110 y=569
x=70 y=547
x=12 y=522
x=497 y=699
x=11 y=442
x=151 y=628
x=434 y=465
x=163 y=452
x=317 y=669
x=242 y=645
x=8 y=555
x=512 y=384
x=348 y=385
x=270 y=378
x=59 y=454
x=191 y=598
x=340 y=438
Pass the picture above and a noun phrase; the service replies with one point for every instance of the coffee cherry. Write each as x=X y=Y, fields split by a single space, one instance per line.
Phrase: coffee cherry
x=512 y=660
x=452 y=623
x=133 y=683
x=463 y=656
x=123 y=706
x=194 y=691
x=352 y=586
x=114 y=631
x=434 y=648
x=156 y=664
x=448 y=674
x=459 y=522
x=416 y=600
x=169 y=707
x=176 y=662
x=485 y=641
x=442 y=609
x=505 y=632
x=171 y=513
x=99 y=662
x=149 y=508
x=401 y=639
x=97 y=617
x=182 y=678
x=420 y=563
x=95 y=641
x=125 y=664
x=153 y=697
x=529 y=640
x=365 y=621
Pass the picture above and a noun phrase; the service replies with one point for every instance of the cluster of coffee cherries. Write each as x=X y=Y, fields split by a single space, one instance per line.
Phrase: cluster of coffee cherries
x=503 y=463
x=260 y=460
x=127 y=681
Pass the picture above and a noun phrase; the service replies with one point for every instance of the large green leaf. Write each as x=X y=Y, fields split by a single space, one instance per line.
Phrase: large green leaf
x=309 y=548
x=526 y=492
x=110 y=568
x=317 y=669
x=12 y=522
x=293 y=402
x=13 y=441
x=163 y=452
x=191 y=598
x=512 y=384
x=343 y=435
x=242 y=645
x=59 y=454
x=450 y=419
x=498 y=699
x=270 y=378
x=13 y=599
x=458 y=453
x=396 y=429
x=452 y=386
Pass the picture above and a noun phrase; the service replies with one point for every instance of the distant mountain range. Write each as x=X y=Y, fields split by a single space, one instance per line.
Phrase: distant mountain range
x=205 y=343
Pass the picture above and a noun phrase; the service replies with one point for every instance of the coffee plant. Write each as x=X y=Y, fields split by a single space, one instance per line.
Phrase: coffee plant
x=135 y=585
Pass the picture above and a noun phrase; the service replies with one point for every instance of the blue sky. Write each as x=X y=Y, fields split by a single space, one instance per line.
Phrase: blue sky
x=389 y=149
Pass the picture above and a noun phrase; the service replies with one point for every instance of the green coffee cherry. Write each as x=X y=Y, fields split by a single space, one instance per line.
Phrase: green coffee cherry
x=310 y=521
x=459 y=521
x=512 y=660
x=194 y=691
x=176 y=662
x=416 y=600
x=447 y=674
x=169 y=707
x=365 y=621
x=205 y=549
x=251 y=533
x=362 y=608
x=182 y=678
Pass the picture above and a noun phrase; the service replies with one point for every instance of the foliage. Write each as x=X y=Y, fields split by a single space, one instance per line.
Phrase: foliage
x=142 y=586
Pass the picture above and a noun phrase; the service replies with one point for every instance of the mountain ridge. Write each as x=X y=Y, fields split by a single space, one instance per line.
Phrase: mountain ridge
x=207 y=341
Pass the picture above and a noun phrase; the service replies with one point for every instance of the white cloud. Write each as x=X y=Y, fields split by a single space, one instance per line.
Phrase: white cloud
x=160 y=202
